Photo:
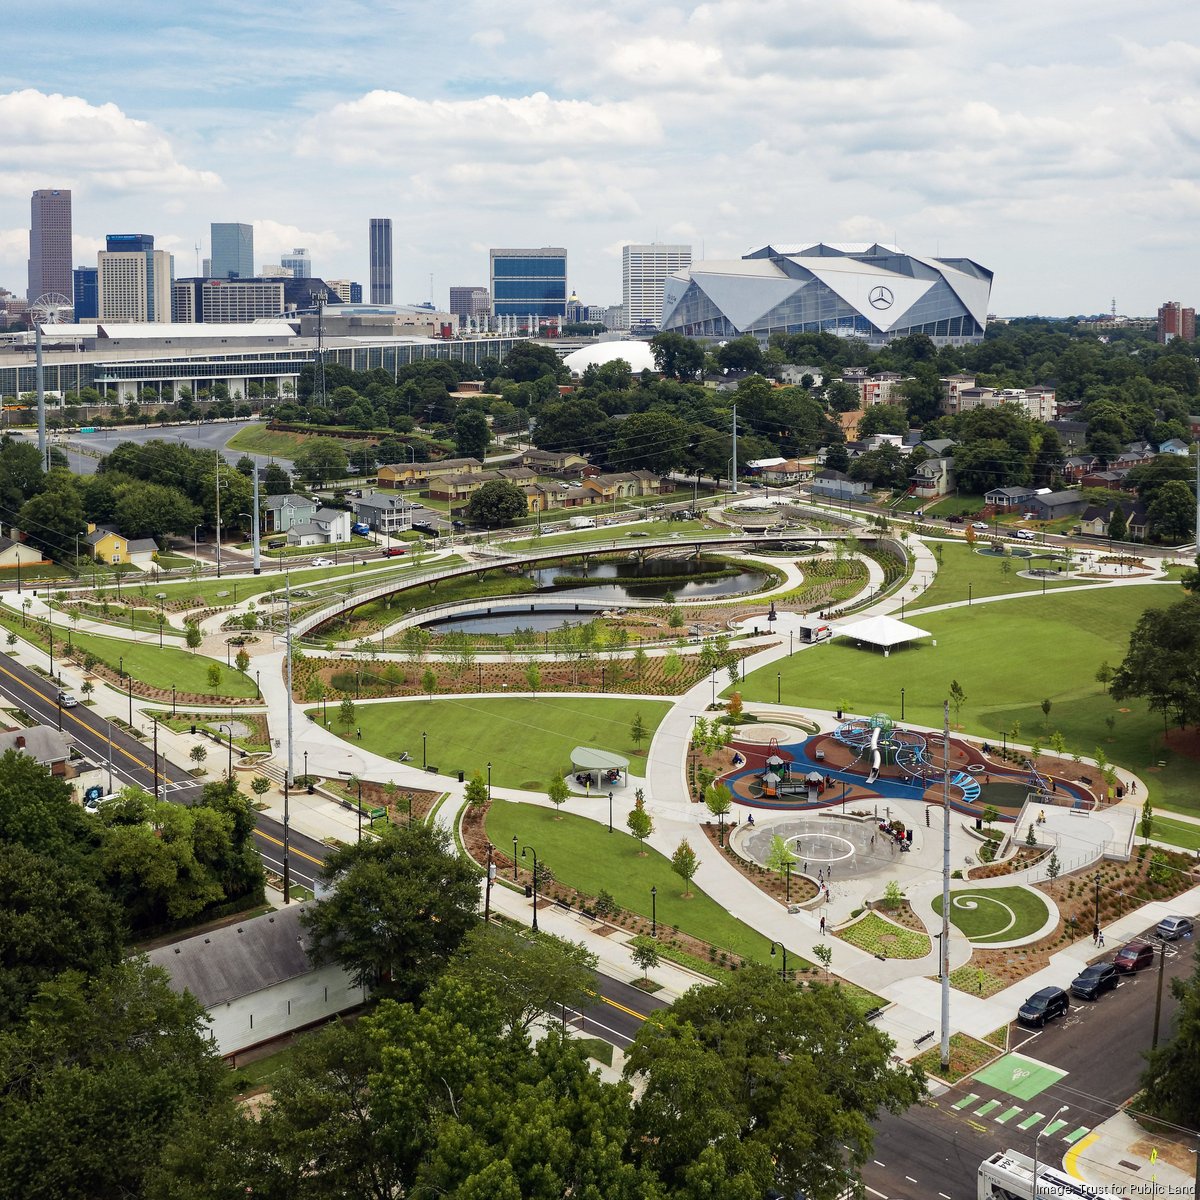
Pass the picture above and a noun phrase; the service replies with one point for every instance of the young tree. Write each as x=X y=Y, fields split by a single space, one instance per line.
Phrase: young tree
x=1047 y=705
x=198 y=754
x=641 y=825
x=644 y=952
x=476 y=792
x=242 y=661
x=735 y=704
x=637 y=730
x=1104 y=675
x=346 y=713
x=639 y=660
x=1146 y=824
x=685 y=864
x=87 y=687
x=260 y=785
x=533 y=677
x=718 y=801
x=957 y=697
x=192 y=636
x=1053 y=867
x=429 y=682
x=824 y=955
x=214 y=677
x=990 y=816
x=1058 y=743
x=558 y=794
x=780 y=857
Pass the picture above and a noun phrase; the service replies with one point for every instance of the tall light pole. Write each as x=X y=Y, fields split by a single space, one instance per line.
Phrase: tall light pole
x=945 y=943
x=654 y=911
x=1037 y=1141
x=423 y=759
x=610 y=798
x=535 y=883
x=489 y=766
x=514 y=856
x=902 y=704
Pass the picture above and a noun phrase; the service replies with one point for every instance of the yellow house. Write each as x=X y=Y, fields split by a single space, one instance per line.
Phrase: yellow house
x=109 y=545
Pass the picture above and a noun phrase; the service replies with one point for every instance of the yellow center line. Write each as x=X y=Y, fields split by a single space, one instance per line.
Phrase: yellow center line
x=1075 y=1151
x=133 y=757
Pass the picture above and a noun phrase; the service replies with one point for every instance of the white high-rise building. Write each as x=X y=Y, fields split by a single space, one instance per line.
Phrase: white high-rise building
x=133 y=285
x=298 y=262
x=644 y=271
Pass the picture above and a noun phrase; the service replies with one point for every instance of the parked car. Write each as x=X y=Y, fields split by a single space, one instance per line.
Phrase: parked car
x=458 y=524
x=1133 y=956
x=67 y=700
x=393 y=551
x=361 y=528
x=980 y=525
x=1171 y=929
x=1026 y=535
x=1043 y=1006
x=1092 y=981
x=322 y=562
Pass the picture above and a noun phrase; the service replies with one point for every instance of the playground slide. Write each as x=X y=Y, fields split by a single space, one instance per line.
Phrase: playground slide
x=875 y=755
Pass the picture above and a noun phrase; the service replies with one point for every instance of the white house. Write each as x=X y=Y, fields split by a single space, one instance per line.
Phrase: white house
x=256 y=980
x=326 y=527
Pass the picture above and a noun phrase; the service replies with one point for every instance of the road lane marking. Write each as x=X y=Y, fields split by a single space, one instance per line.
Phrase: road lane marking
x=1008 y=1115
x=1053 y=1128
x=987 y=1108
x=1075 y=1135
x=1032 y=1120
x=965 y=1102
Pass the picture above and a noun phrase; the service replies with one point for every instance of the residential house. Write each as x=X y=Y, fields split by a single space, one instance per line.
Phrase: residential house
x=1194 y=426
x=1079 y=465
x=1038 y=403
x=552 y=462
x=1104 y=479
x=787 y=471
x=1072 y=434
x=47 y=747
x=794 y=375
x=541 y=497
x=257 y=980
x=932 y=478
x=837 y=485
x=1009 y=499
x=109 y=545
x=280 y=513
x=1053 y=505
x=415 y=474
x=604 y=489
x=938 y=447
x=15 y=553
x=384 y=514
x=1176 y=446
x=328 y=527
x=1136 y=454
x=457 y=488
x=1097 y=518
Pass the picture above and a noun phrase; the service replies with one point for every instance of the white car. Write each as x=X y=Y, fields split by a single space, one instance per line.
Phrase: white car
x=321 y=562
x=981 y=525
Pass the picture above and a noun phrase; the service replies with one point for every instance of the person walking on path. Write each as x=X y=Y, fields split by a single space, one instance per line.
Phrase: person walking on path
x=822 y=926
x=1100 y=940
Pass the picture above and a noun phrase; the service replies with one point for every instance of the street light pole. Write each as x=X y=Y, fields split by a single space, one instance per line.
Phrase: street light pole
x=783 y=973
x=129 y=682
x=423 y=760
x=489 y=766
x=778 y=686
x=514 y=856
x=535 y=883
x=229 y=773
x=1037 y=1144
x=610 y=796
x=654 y=911
x=787 y=886
x=491 y=875
x=902 y=704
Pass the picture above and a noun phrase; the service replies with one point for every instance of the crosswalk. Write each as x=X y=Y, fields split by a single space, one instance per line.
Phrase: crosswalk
x=974 y=1105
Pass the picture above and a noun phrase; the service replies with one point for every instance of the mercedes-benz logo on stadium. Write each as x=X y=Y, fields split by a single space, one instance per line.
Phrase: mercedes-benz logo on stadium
x=881 y=297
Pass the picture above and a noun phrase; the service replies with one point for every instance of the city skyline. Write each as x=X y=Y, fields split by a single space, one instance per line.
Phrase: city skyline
x=1065 y=155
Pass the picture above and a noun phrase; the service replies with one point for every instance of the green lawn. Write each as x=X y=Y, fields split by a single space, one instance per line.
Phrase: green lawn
x=1175 y=833
x=959 y=505
x=995 y=914
x=584 y=855
x=166 y=667
x=258 y=439
x=962 y=565
x=1007 y=656
x=528 y=741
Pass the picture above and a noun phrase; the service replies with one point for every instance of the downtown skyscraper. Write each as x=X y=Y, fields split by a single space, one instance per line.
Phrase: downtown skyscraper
x=232 y=250
x=381 y=260
x=50 y=244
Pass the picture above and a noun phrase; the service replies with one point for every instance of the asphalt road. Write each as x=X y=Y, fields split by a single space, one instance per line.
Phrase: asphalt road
x=933 y=1151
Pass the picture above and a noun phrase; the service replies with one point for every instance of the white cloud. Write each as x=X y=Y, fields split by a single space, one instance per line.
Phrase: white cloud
x=272 y=238
x=86 y=145
x=381 y=125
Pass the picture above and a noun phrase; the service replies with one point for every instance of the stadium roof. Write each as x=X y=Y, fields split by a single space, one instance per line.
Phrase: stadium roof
x=638 y=355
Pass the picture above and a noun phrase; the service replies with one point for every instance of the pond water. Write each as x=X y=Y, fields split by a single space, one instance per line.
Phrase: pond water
x=656 y=578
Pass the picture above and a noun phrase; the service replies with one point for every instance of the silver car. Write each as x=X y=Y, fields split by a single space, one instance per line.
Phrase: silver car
x=1172 y=928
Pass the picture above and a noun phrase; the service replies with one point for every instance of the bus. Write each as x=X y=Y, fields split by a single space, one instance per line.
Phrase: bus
x=1008 y=1175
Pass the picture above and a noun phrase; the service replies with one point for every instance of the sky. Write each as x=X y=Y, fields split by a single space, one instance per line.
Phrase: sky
x=1056 y=143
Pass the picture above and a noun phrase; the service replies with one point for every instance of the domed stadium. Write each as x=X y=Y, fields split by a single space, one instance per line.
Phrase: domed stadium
x=861 y=290
x=637 y=354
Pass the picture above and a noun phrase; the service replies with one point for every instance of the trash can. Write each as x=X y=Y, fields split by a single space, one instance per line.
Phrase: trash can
x=461 y=776
x=978 y=822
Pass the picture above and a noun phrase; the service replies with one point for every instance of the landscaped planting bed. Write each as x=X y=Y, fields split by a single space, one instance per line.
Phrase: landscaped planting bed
x=878 y=936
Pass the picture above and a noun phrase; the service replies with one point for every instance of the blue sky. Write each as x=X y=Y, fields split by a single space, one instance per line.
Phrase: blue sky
x=1058 y=144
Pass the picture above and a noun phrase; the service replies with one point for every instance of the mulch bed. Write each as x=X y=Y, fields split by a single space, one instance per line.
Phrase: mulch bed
x=375 y=795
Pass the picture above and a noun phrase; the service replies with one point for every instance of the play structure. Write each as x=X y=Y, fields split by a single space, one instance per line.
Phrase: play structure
x=878 y=739
x=780 y=778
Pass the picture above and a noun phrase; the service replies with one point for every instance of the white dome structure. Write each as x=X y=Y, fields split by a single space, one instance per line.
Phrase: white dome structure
x=637 y=354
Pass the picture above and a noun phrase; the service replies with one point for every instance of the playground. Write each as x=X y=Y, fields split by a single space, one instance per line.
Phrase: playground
x=871 y=760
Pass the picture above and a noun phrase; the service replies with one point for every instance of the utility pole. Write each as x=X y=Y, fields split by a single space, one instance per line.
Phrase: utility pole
x=156 y=796
x=254 y=516
x=218 y=478
x=287 y=861
x=946 y=884
x=734 y=480
x=40 y=383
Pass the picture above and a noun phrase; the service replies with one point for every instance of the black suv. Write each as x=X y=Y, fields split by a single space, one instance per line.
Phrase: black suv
x=1043 y=1006
x=1089 y=983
